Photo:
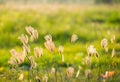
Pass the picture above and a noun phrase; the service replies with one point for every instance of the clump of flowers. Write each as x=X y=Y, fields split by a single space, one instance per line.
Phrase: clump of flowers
x=18 y=58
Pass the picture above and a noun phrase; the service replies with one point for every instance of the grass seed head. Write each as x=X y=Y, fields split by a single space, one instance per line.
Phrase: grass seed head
x=49 y=44
x=26 y=48
x=37 y=78
x=24 y=39
x=88 y=60
x=70 y=72
x=29 y=30
x=12 y=61
x=104 y=43
x=45 y=78
x=32 y=32
x=33 y=63
x=112 y=39
x=90 y=50
x=53 y=71
x=38 y=52
x=60 y=49
x=87 y=73
x=74 y=38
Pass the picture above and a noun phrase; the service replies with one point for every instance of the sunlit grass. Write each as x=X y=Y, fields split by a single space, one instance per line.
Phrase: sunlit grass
x=90 y=24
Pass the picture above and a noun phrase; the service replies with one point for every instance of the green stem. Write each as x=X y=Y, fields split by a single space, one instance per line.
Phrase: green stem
x=61 y=77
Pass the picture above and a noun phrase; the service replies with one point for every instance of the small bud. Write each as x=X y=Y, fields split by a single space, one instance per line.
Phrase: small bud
x=53 y=71
x=88 y=60
x=104 y=43
x=70 y=72
x=61 y=49
x=87 y=73
x=45 y=78
x=112 y=39
x=74 y=37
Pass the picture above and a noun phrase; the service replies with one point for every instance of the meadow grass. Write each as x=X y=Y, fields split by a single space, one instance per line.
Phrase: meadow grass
x=90 y=24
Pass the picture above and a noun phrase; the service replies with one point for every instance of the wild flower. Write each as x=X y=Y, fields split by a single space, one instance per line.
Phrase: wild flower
x=74 y=37
x=38 y=52
x=49 y=44
x=70 y=72
x=33 y=63
x=104 y=44
x=21 y=76
x=24 y=39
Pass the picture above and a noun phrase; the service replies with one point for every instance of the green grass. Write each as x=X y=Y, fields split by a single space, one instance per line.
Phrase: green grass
x=91 y=26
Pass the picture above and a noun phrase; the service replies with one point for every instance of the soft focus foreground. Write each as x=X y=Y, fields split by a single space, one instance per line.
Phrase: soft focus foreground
x=58 y=43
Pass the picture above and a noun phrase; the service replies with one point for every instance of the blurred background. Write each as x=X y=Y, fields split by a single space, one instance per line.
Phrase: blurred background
x=62 y=1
